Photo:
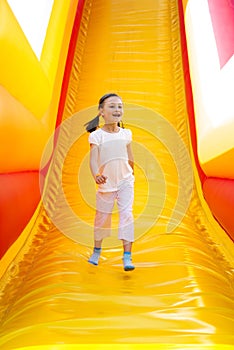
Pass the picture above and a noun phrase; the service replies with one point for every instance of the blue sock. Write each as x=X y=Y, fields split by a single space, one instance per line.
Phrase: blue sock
x=127 y=254
x=97 y=250
x=95 y=256
x=127 y=262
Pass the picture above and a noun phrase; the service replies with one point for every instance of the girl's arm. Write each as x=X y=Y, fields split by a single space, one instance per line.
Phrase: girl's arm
x=130 y=157
x=93 y=163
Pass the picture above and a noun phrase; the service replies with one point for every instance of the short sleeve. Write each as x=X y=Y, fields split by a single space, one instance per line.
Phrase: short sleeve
x=93 y=138
x=128 y=134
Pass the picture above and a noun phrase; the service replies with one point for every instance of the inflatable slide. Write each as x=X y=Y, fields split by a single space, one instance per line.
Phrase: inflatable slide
x=177 y=102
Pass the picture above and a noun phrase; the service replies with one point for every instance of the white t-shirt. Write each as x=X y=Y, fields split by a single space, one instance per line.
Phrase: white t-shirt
x=113 y=157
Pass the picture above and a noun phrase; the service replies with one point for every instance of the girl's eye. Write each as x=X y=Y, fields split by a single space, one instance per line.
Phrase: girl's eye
x=113 y=106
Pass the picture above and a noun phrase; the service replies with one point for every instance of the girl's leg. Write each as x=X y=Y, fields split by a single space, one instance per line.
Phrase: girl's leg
x=102 y=223
x=127 y=246
x=125 y=196
x=98 y=244
x=126 y=224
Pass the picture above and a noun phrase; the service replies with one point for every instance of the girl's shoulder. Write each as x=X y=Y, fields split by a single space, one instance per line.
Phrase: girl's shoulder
x=96 y=132
x=127 y=133
x=94 y=137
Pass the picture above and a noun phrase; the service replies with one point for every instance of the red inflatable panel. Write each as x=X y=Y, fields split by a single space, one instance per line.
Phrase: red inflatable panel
x=14 y=215
x=219 y=194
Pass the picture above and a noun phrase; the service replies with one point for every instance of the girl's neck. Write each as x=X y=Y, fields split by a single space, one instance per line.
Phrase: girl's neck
x=111 y=127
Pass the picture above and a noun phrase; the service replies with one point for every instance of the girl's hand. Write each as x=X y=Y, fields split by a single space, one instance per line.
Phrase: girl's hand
x=100 y=179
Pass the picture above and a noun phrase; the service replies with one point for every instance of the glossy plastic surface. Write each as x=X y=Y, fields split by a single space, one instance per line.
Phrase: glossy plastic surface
x=29 y=97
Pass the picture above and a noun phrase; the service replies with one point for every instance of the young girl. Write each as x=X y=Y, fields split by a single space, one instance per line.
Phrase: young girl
x=111 y=164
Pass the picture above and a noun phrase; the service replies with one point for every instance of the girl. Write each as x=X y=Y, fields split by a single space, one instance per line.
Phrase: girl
x=111 y=164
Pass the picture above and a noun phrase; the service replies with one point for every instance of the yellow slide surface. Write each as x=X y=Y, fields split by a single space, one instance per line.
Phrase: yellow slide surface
x=180 y=296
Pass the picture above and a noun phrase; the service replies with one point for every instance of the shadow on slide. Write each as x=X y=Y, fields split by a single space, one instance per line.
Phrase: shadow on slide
x=180 y=296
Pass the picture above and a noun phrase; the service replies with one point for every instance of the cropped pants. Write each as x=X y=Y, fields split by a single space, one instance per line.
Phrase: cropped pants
x=104 y=206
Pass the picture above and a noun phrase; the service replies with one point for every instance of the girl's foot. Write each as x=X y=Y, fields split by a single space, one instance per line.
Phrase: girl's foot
x=127 y=262
x=95 y=256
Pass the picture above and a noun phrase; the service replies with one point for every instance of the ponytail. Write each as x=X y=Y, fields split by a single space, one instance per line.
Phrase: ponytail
x=93 y=124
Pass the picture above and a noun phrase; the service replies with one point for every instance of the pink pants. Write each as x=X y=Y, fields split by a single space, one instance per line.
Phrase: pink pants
x=104 y=206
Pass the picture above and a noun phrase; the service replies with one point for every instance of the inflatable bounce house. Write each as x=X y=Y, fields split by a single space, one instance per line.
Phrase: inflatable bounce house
x=172 y=63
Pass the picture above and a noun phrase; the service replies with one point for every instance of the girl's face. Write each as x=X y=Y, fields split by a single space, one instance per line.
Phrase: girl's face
x=112 y=110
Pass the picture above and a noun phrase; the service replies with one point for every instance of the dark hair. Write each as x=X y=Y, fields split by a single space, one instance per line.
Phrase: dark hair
x=93 y=124
x=104 y=97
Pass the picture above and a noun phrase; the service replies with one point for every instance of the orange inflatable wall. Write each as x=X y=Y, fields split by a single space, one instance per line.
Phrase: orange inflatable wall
x=28 y=111
x=209 y=93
